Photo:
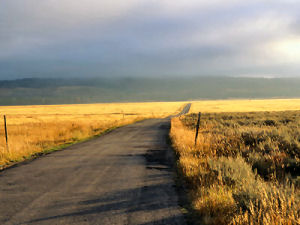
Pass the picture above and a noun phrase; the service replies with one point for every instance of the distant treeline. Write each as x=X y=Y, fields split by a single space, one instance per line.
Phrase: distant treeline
x=90 y=90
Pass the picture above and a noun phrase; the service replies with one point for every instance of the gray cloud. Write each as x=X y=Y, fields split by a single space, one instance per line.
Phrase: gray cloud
x=147 y=38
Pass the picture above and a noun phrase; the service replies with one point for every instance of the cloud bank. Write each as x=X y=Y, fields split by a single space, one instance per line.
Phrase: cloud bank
x=57 y=38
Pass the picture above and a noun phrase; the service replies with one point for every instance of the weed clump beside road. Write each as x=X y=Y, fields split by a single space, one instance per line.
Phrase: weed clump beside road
x=244 y=168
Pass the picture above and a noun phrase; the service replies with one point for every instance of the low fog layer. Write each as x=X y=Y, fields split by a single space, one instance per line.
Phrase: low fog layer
x=92 y=90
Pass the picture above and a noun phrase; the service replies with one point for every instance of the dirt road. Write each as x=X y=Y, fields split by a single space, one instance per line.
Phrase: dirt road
x=123 y=177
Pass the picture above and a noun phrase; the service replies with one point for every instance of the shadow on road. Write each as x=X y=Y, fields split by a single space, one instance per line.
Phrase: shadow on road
x=131 y=202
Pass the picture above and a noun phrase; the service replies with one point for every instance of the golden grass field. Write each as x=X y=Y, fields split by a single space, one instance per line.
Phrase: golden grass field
x=245 y=105
x=32 y=129
x=245 y=166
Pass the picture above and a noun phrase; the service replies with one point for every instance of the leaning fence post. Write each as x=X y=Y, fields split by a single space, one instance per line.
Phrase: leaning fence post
x=5 y=129
x=197 y=127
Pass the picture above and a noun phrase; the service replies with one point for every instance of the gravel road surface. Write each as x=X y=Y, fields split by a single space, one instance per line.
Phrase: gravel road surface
x=123 y=177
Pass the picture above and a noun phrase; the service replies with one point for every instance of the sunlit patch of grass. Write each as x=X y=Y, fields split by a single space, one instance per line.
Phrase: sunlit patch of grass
x=246 y=105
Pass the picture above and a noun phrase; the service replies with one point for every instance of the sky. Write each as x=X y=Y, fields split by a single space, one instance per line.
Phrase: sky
x=149 y=38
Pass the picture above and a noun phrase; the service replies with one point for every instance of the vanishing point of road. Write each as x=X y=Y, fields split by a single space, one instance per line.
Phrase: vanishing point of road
x=123 y=177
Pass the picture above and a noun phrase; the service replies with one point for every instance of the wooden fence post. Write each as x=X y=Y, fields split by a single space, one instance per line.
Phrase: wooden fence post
x=197 y=127
x=5 y=129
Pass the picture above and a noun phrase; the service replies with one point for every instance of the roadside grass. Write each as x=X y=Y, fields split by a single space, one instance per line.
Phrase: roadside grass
x=42 y=152
x=244 y=168
x=34 y=130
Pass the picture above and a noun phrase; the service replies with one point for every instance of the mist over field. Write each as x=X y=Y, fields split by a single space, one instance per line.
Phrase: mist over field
x=92 y=90
x=138 y=50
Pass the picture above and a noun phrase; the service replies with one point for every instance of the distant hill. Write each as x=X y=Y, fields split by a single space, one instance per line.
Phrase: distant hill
x=32 y=91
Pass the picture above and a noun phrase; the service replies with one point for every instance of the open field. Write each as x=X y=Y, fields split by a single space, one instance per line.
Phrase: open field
x=245 y=167
x=245 y=105
x=32 y=129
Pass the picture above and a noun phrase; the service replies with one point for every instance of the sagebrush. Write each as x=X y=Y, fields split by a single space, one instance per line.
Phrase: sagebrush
x=245 y=167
